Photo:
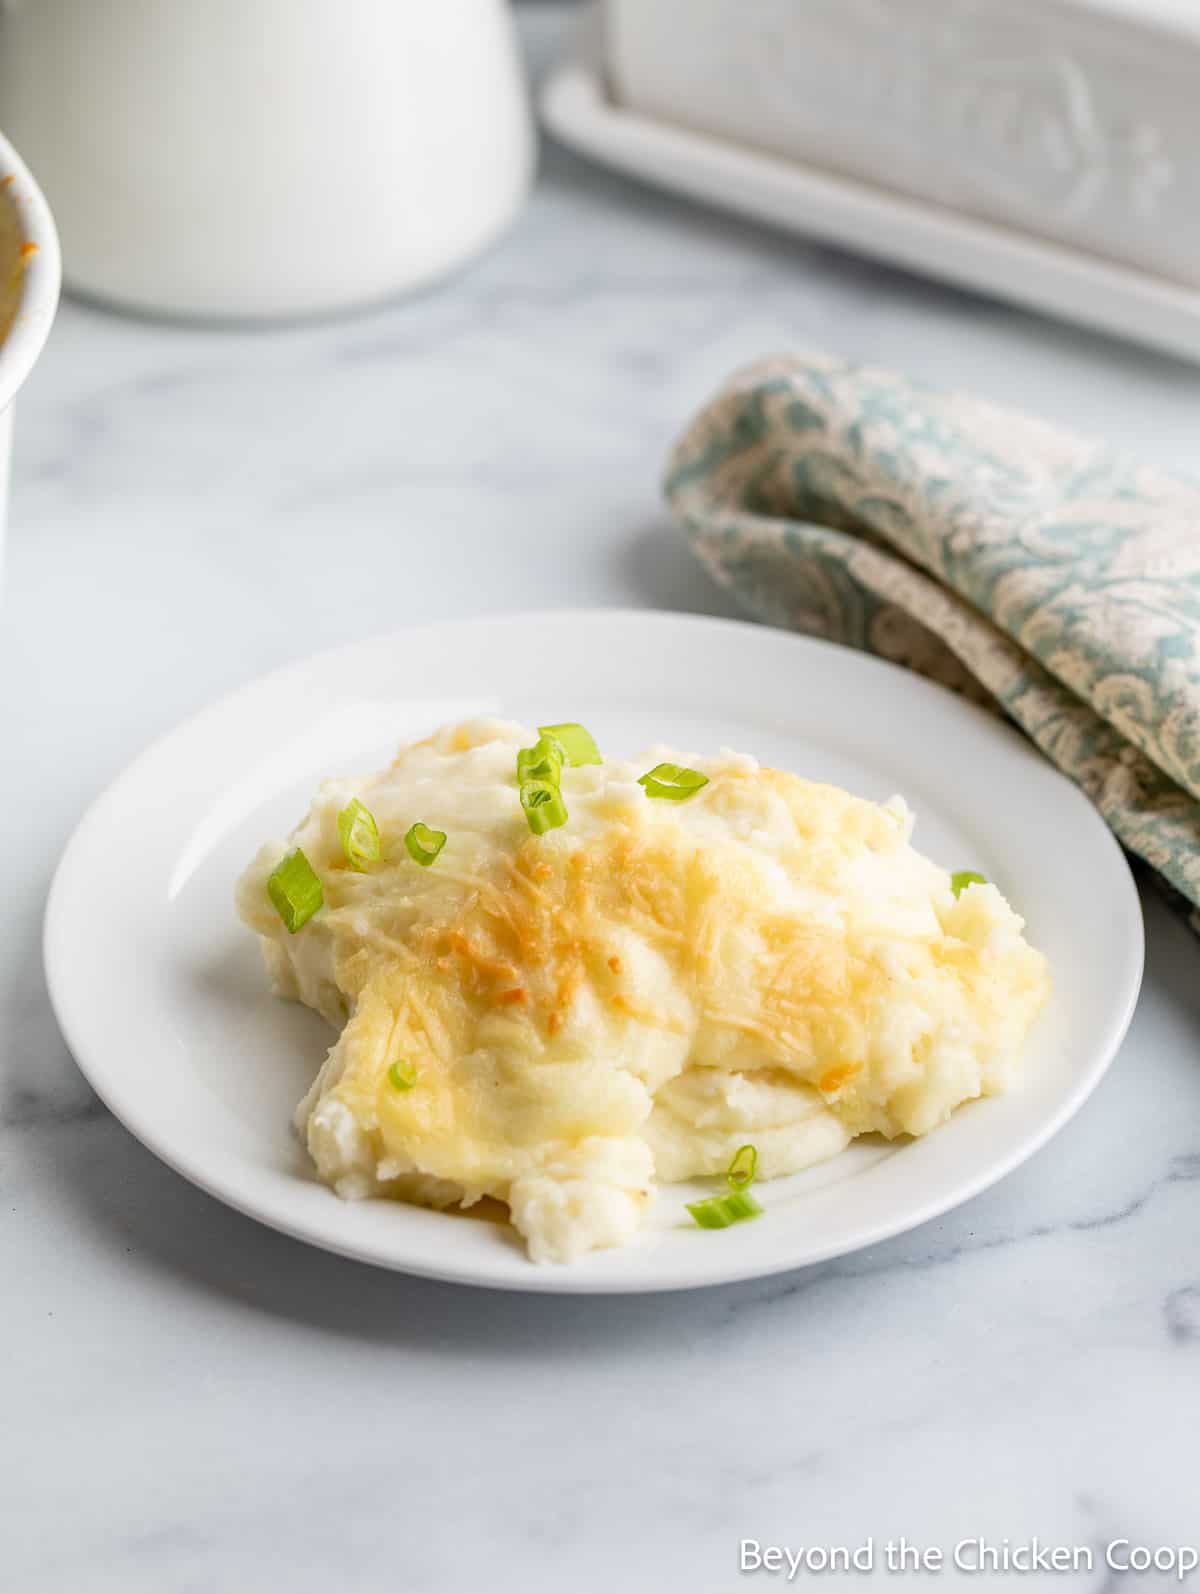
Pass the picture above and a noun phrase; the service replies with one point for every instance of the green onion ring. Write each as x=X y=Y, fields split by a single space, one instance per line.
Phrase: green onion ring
x=359 y=836
x=543 y=805
x=673 y=781
x=577 y=744
x=962 y=878
x=743 y=1168
x=295 y=889
x=423 y=844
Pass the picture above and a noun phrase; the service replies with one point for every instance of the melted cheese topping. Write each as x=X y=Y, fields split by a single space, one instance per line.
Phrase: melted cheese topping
x=634 y=995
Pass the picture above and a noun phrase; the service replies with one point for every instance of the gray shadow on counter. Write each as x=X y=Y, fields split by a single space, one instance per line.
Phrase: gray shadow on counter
x=132 y=1203
x=658 y=566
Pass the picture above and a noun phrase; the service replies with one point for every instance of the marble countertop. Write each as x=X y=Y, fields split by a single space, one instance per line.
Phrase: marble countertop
x=190 y=1402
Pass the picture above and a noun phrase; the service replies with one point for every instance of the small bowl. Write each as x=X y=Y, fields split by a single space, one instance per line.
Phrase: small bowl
x=30 y=275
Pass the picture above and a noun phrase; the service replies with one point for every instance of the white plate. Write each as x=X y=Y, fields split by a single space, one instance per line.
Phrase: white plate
x=884 y=225
x=162 y=998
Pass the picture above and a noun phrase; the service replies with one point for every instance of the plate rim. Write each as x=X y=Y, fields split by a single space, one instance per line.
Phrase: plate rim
x=566 y=1279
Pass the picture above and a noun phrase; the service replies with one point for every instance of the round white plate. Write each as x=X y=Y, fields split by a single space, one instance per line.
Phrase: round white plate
x=162 y=998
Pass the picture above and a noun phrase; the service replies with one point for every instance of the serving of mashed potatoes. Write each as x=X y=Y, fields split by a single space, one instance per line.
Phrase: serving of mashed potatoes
x=628 y=998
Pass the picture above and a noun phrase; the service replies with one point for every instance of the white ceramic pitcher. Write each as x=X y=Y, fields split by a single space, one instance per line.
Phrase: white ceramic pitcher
x=266 y=157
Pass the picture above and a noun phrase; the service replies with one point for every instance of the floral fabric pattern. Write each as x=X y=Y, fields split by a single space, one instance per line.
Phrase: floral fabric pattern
x=1050 y=576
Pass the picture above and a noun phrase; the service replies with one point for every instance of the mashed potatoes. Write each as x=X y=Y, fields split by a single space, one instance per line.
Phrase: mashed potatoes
x=630 y=997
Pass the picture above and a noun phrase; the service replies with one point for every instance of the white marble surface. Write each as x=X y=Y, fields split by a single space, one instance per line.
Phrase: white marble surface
x=191 y=1403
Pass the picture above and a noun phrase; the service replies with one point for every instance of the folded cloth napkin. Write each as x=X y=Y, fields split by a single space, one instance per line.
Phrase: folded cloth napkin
x=1052 y=576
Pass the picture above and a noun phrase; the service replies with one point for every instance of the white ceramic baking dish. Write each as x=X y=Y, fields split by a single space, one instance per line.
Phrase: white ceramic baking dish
x=1076 y=120
x=30 y=273
x=1081 y=285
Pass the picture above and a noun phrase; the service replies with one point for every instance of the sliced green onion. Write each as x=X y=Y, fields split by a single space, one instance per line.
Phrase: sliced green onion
x=295 y=889
x=543 y=761
x=359 y=835
x=577 y=744
x=743 y=1168
x=539 y=773
x=710 y=1214
x=718 y=1212
x=962 y=878
x=423 y=844
x=402 y=1076
x=674 y=781
x=543 y=805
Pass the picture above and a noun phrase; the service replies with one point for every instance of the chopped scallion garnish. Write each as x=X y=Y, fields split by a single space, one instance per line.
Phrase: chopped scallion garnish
x=577 y=744
x=962 y=878
x=539 y=775
x=673 y=781
x=423 y=844
x=295 y=889
x=710 y=1214
x=743 y=1168
x=737 y=1204
x=402 y=1076
x=543 y=761
x=359 y=836
x=719 y=1212
x=543 y=805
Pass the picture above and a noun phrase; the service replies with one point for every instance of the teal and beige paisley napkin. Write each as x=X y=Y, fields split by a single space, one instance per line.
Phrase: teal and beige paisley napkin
x=1050 y=575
